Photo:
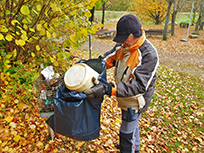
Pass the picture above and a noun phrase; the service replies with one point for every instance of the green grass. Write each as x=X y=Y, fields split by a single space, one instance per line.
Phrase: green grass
x=183 y=17
x=179 y=101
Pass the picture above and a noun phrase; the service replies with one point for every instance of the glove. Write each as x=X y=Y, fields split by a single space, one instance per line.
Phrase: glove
x=99 y=90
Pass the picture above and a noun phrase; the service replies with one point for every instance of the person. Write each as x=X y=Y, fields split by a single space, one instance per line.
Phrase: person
x=136 y=62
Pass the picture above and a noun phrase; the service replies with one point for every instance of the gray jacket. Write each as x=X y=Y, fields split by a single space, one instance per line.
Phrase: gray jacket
x=135 y=74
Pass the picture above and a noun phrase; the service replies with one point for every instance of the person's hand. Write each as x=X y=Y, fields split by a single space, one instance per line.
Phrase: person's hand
x=99 y=90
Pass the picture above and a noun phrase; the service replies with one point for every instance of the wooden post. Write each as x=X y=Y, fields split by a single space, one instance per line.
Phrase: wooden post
x=90 y=47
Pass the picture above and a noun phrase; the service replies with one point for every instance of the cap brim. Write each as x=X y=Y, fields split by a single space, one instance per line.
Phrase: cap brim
x=120 y=38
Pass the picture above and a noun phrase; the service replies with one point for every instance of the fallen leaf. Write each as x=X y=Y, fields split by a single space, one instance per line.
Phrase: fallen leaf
x=16 y=138
x=9 y=119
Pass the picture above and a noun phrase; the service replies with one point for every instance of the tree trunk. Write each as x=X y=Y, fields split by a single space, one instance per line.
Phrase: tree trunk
x=199 y=19
x=167 y=20
x=194 y=16
x=201 y=14
x=201 y=26
x=157 y=20
x=173 y=20
x=103 y=14
x=92 y=16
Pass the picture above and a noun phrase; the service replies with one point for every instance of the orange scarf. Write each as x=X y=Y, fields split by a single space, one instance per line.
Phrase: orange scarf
x=133 y=60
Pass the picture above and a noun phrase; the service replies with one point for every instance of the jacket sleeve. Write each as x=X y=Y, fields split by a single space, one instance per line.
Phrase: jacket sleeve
x=143 y=73
x=110 y=56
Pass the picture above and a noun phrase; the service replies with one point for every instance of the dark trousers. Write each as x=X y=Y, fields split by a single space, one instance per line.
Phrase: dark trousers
x=129 y=133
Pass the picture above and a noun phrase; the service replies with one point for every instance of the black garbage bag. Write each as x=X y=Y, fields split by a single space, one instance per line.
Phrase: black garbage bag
x=74 y=116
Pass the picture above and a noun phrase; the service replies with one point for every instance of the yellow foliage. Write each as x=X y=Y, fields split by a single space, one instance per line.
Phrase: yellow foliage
x=42 y=32
x=3 y=28
x=32 y=54
x=24 y=37
x=38 y=7
x=32 y=30
x=39 y=27
x=9 y=37
x=20 y=42
x=84 y=31
x=150 y=10
x=14 y=21
x=37 y=47
x=1 y=37
x=54 y=35
x=24 y=21
x=54 y=7
x=52 y=59
x=48 y=34
x=25 y=10
x=100 y=25
x=25 y=26
x=71 y=24
x=88 y=14
x=72 y=37
x=8 y=56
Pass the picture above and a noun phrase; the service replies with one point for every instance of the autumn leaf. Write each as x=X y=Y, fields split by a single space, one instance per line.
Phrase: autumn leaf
x=9 y=119
x=48 y=34
x=72 y=38
x=25 y=10
x=16 y=138
x=9 y=37
x=88 y=14
x=54 y=35
x=78 y=146
x=1 y=37
x=38 y=7
x=14 y=53
x=37 y=47
x=20 y=42
x=32 y=30
x=13 y=22
x=32 y=54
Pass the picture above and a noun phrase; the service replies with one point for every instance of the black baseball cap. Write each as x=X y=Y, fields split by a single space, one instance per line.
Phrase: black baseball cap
x=126 y=25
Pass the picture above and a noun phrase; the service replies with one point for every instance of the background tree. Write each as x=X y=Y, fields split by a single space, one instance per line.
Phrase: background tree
x=150 y=10
x=201 y=15
x=170 y=2
x=177 y=5
x=103 y=12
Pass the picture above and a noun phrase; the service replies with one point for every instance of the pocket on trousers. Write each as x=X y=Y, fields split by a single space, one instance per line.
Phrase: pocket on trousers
x=128 y=127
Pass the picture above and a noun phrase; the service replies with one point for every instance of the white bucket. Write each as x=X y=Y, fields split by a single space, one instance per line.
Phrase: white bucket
x=79 y=77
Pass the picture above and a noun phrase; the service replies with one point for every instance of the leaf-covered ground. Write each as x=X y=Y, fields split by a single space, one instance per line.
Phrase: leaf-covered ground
x=173 y=123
